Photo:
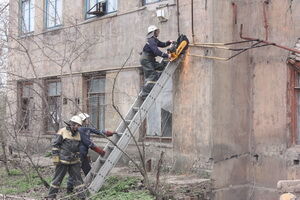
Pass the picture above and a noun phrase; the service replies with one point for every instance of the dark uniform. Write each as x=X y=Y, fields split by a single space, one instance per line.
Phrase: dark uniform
x=85 y=144
x=151 y=68
x=66 y=152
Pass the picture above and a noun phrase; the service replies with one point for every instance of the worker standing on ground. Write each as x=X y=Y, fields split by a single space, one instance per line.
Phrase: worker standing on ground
x=151 y=68
x=65 y=155
x=85 y=144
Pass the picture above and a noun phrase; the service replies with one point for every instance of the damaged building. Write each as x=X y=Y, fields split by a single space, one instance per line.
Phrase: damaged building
x=231 y=117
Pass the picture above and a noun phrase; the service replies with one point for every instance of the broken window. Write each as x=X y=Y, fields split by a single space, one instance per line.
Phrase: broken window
x=159 y=118
x=108 y=6
x=26 y=105
x=27 y=16
x=54 y=105
x=53 y=13
x=96 y=101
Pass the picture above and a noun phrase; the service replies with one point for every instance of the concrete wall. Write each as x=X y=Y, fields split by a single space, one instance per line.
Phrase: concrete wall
x=250 y=123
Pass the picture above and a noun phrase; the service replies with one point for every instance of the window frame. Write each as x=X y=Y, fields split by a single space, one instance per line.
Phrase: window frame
x=294 y=97
x=21 y=85
x=86 y=9
x=162 y=137
x=98 y=95
x=46 y=23
x=31 y=11
x=156 y=1
x=59 y=103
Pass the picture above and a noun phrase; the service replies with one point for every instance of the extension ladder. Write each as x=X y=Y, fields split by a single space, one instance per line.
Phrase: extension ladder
x=134 y=118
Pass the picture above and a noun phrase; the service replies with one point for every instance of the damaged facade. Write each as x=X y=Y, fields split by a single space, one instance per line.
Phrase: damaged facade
x=237 y=120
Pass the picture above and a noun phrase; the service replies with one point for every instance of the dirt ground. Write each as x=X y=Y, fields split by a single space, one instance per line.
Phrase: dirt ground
x=184 y=186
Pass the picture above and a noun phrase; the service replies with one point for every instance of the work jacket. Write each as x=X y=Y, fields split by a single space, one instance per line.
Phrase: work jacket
x=66 y=145
x=86 y=143
x=151 y=47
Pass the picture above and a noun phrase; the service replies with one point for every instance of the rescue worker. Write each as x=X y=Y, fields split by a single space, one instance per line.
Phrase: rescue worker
x=151 y=68
x=65 y=155
x=85 y=144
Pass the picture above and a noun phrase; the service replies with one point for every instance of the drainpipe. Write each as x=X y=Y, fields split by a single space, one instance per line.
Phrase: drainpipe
x=178 y=28
x=192 y=18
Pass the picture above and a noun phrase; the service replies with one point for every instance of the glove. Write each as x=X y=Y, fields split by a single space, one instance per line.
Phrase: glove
x=55 y=160
x=109 y=133
x=98 y=150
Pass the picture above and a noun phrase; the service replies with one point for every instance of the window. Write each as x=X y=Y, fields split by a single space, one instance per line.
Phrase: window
x=96 y=101
x=53 y=13
x=294 y=99
x=27 y=16
x=151 y=1
x=54 y=105
x=26 y=105
x=110 y=6
x=159 y=118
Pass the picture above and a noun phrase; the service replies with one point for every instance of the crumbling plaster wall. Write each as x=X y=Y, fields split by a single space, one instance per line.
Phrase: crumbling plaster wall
x=250 y=111
x=192 y=94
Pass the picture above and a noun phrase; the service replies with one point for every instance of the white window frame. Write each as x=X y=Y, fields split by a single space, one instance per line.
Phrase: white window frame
x=54 y=19
x=110 y=8
x=99 y=118
x=27 y=16
x=146 y=2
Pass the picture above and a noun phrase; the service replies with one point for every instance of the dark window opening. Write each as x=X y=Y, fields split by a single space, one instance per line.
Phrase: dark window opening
x=166 y=123
x=26 y=106
x=54 y=105
x=99 y=8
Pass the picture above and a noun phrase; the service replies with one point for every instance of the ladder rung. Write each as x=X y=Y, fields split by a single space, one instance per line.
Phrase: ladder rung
x=110 y=147
x=135 y=109
x=102 y=160
x=119 y=134
x=93 y=174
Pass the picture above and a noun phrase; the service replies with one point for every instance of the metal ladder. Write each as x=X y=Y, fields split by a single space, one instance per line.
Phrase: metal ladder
x=134 y=118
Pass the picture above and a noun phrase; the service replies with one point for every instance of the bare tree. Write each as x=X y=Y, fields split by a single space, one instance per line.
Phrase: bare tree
x=23 y=113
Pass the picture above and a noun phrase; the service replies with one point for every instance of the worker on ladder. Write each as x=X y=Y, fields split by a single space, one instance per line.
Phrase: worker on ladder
x=86 y=144
x=65 y=156
x=151 y=68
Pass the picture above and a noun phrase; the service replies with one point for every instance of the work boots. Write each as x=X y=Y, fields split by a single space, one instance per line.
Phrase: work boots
x=70 y=190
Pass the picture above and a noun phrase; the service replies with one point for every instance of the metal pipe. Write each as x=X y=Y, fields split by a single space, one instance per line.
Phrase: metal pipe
x=178 y=27
x=266 y=26
x=266 y=42
x=209 y=57
x=192 y=19
x=225 y=44
x=227 y=48
x=234 y=10
x=229 y=58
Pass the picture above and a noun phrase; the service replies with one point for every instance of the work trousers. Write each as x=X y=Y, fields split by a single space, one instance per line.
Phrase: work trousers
x=60 y=172
x=85 y=166
x=152 y=71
